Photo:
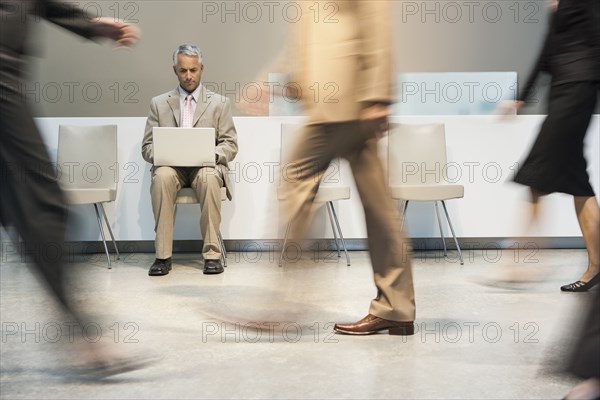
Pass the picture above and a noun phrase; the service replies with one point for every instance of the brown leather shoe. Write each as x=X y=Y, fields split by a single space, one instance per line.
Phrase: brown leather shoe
x=372 y=324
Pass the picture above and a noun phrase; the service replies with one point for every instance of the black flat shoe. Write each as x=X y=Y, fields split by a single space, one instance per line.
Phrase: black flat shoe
x=160 y=267
x=581 y=286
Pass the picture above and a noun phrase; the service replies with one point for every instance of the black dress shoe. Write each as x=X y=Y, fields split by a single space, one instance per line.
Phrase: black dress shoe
x=372 y=324
x=160 y=267
x=213 y=267
x=581 y=286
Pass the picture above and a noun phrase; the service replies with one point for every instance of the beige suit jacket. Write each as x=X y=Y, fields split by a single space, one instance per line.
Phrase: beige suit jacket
x=212 y=111
x=343 y=61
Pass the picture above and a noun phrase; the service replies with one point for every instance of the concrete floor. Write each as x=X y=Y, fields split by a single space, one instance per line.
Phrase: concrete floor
x=474 y=341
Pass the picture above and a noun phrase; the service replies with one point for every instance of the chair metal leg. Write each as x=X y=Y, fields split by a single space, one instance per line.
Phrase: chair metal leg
x=102 y=234
x=287 y=231
x=337 y=222
x=110 y=231
x=439 y=220
x=223 y=250
x=335 y=238
x=453 y=234
x=404 y=208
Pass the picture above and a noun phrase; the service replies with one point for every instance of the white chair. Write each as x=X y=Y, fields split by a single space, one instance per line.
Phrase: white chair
x=416 y=166
x=187 y=195
x=327 y=194
x=87 y=162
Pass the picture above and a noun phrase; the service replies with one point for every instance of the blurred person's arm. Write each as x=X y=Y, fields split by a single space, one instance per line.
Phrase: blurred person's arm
x=541 y=64
x=508 y=108
x=375 y=91
x=75 y=20
x=594 y=27
x=255 y=98
x=376 y=52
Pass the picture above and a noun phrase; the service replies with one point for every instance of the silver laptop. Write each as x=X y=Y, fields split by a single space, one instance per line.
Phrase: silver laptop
x=184 y=147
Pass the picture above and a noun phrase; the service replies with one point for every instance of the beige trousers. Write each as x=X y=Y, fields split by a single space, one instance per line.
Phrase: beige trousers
x=207 y=183
x=390 y=251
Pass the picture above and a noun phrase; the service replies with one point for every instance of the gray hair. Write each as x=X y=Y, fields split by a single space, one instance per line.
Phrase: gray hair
x=188 y=50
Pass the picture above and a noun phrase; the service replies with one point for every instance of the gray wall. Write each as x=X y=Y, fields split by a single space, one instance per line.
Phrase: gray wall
x=78 y=78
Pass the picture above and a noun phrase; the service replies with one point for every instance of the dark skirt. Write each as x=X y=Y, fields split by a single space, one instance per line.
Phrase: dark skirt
x=556 y=162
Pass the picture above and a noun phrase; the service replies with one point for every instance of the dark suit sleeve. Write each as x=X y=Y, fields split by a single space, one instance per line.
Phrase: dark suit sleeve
x=593 y=28
x=585 y=357
x=541 y=64
x=69 y=17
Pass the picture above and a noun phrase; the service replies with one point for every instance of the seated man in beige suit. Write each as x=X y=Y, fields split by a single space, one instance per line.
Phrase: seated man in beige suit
x=190 y=105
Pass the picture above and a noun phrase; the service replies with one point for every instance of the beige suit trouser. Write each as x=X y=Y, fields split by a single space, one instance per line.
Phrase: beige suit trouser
x=207 y=183
x=389 y=249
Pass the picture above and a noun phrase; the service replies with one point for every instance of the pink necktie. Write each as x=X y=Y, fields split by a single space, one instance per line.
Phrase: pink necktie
x=188 y=113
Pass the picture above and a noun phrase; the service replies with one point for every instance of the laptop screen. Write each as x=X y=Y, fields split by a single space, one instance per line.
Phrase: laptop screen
x=184 y=147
